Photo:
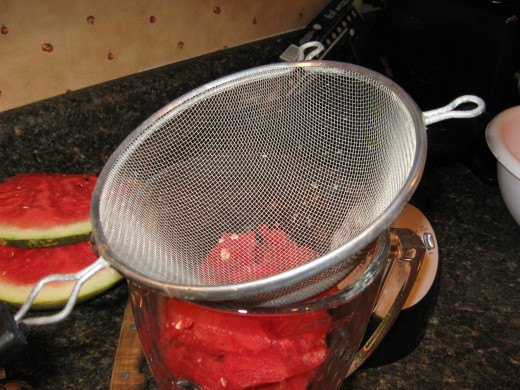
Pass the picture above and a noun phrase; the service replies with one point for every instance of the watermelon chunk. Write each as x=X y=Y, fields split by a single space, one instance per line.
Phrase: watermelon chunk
x=218 y=350
x=240 y=257
x=199 y=328
x=21 y=269
x=45 y=209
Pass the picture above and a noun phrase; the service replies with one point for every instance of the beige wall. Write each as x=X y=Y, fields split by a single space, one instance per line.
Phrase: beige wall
x=123 y=29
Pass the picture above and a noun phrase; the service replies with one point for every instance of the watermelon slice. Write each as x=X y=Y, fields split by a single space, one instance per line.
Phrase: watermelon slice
x=21 y=269
x=45 y=209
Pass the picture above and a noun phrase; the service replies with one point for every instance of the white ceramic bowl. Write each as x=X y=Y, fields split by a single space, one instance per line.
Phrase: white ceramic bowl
x=503 y=138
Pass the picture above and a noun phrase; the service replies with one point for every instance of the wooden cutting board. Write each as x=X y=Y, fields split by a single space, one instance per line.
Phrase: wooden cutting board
x=126 y=374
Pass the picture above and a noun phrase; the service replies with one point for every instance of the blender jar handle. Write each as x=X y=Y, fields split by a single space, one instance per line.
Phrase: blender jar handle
x=407 y=252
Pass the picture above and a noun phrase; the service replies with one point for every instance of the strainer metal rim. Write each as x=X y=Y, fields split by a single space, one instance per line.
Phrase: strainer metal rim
x=294 y=275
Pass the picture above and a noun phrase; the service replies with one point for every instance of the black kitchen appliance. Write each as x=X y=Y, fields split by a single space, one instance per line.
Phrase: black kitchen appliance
x=439 y=48
x=436 y=50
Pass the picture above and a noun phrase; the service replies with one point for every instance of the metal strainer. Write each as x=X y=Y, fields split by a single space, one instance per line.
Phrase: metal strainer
x=327 y=152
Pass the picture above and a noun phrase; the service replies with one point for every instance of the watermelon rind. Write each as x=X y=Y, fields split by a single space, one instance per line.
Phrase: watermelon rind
x=55 y=295
x=45 y=238
x=44 y=210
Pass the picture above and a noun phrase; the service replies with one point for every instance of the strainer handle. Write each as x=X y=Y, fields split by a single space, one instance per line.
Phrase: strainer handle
x=449 y=111
x=318 y=48
x=407 y=253
x=80 y=277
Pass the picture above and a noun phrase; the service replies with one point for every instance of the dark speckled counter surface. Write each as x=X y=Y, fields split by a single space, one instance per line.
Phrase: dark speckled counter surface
x=473 y=338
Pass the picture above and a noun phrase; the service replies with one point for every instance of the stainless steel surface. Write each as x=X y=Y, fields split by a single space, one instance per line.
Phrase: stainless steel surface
x=328 y=152
x=428 y=240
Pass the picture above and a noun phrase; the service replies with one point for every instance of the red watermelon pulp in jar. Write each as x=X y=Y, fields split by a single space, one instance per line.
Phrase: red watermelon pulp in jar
x=211 y=347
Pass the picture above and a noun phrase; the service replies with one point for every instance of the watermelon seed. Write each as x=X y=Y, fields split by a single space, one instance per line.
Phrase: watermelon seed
x=225 y=254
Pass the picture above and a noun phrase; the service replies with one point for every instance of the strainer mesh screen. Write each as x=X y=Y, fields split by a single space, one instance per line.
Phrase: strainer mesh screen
x=318 y=152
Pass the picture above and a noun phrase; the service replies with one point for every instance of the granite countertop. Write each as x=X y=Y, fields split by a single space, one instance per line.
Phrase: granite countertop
x=472 y=341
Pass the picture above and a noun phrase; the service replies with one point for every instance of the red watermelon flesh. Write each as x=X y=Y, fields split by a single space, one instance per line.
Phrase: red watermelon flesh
x=45 y=199
x=241 y=257
x=218 y=350
x=45 y=229
x=21 y=269
x=45 y=209
x=28 y=266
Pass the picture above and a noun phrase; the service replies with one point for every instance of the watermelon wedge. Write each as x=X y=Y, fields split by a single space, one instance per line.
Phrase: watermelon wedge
x=21 y=269
x=45 y=209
